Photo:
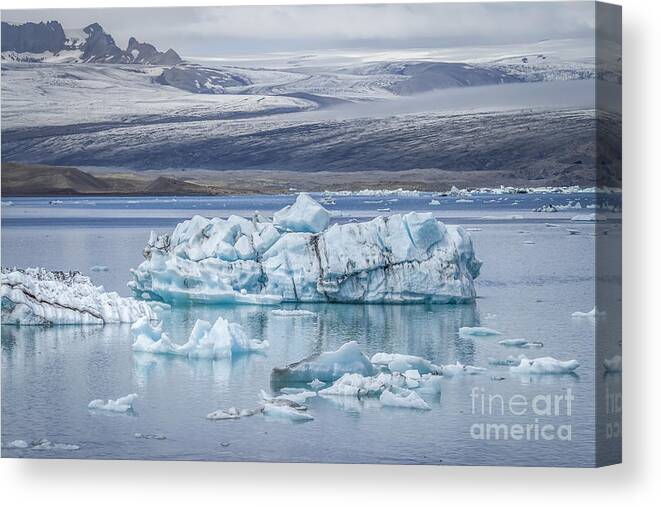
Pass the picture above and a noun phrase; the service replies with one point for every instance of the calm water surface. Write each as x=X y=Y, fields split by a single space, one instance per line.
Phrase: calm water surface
x=534 y=276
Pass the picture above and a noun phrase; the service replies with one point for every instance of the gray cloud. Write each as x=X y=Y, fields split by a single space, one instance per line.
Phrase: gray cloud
x=206 y=31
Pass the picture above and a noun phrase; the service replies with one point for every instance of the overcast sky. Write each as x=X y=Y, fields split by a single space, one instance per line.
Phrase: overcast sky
x=211 y=31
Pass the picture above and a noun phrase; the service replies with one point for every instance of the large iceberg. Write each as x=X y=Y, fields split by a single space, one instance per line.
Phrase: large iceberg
x=297 y=257
x=36 y=297
x=218 y=341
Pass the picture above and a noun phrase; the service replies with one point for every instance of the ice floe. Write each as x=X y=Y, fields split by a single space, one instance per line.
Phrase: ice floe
x=43 y=444
x=150 y=436
x=590 y=217
x=293 y=313
x=403 y=362
x=35 y=297
x=218 y=341
x=520 y=343
x=544 y=365
x=411 y=258
x=478 y=331
x=326 y=366
x=233 y=413
x=453 y=370
x=123 y=404
x=403 y=398
x=592 y=314
x=289 y=412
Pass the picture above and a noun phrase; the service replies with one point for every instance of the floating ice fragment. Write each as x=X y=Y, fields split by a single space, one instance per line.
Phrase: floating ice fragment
x=293 y=313
x=434 y=202
x=286 y=412
x=123 y=404
x=403 y=362
x=326 y=366
x=544 y=365
x=590 y=217
x=478 y=331
x=452 y=370
x=594 y=313
x=46 y=445
x=520 y=343
x=221 y=340
x=150 y=436
x=233 y=413
x=16 y=444
x=404 y=398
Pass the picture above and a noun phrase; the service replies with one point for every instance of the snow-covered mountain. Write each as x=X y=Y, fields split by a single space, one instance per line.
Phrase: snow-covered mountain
x=48 y=42
x=526 y=110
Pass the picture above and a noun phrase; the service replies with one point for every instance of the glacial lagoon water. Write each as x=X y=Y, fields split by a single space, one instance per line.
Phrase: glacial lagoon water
x=534 y=276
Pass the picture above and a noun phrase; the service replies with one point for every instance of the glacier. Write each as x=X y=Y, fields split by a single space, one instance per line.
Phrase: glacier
x=37 y=297
x=298 y=257
x=218 y=341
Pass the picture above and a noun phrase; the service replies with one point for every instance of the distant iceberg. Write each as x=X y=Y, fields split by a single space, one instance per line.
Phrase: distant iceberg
x=37 y=297
x=297 y=257
x=218 y=341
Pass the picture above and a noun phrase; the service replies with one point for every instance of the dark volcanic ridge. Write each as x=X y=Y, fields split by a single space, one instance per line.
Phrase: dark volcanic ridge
x=98 y=47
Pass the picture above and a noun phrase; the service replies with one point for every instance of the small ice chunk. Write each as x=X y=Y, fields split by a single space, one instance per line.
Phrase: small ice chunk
x=434 y=202
x=403 y=362
x=590 y=315
x=478 y=331
x=403 y=398
x=150 y=436
x=293 y=313
x=46 y=445
x=355 y=384
x=452 y=370
x=123 y=404
x=520 y=343
x=326 y=366
x=544 y=365
x=316 y=384
x=286 y=412
x=614 y=364
x=221 y=340
x=233 y=413
x=590 y=217
x=300 y=396
x=17 y=444
x=305 y=215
